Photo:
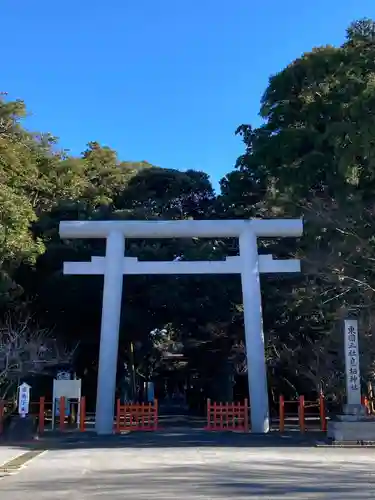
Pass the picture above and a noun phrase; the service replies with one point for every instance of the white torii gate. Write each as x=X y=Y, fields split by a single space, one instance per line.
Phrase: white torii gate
x=248 y=264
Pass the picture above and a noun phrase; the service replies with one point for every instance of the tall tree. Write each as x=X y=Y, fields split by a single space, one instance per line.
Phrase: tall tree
x=315 y=150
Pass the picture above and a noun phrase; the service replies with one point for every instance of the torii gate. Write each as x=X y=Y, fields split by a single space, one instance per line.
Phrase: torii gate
x=248 y=264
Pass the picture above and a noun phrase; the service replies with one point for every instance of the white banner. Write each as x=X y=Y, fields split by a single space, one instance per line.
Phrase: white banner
x=23 y=399
x=352 y=372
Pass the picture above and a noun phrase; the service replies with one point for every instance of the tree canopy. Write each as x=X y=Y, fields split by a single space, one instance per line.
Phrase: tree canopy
x=313 y=156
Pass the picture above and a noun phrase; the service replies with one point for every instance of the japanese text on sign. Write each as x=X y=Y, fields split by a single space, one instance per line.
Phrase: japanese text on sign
x=24 y=399
x=353 y=378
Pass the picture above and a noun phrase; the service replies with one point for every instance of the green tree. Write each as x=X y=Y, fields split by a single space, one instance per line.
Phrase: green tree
x=314 y=153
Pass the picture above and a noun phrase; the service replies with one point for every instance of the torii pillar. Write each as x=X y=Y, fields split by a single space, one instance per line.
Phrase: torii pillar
x=115 y=265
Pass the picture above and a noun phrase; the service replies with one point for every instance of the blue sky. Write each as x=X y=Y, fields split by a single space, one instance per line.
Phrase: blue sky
x=167 y=81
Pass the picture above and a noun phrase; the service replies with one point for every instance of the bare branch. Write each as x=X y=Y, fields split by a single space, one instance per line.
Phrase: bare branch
x=26 y=349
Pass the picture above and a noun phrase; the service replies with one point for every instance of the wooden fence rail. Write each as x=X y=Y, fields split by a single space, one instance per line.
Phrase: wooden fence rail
x=137 y=417
x=302 y=406
x=220 y=416
x=228 y=416
x=40 y=410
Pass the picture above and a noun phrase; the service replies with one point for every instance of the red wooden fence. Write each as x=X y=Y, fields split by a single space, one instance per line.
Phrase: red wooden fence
x=220 y=416
x=302 y=405
x=228 y=416
x=41 y=413
x=137 y=417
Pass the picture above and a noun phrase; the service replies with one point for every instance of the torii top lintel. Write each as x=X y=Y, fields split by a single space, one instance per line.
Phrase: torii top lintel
x=182 y=228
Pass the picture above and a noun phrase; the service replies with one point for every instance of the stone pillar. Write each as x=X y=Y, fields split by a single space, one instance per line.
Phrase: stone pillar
x=252 y=305
x=352 y=369
x=109 y=336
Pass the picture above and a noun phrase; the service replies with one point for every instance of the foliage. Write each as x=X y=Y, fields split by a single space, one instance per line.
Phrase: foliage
x=313 y=156
x=316 y=151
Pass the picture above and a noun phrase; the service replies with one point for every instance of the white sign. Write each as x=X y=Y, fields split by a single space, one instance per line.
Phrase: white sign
x=353 y=376
x=23 y=399
x=69 y=389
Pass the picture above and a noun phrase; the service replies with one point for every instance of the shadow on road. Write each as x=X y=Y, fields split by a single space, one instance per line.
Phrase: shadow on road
x=169 y=438
x=231 y=477
x=191 y=464
x=225 y=482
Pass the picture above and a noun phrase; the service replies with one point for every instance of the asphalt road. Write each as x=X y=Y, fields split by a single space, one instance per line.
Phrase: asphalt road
x=180 y=467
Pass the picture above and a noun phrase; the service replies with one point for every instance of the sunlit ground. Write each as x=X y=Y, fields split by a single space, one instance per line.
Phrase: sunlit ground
x=179 y=468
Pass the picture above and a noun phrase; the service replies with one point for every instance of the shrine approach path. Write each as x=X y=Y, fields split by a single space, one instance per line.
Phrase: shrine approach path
x=192 y=465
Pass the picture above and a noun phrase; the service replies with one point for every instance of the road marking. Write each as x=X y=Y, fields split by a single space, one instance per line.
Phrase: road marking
x=19 y=462
x=7 y=461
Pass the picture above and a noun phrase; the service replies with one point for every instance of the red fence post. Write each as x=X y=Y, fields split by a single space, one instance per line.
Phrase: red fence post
x=156 y=414
x=208 y=414
x=138 y=417
x=302 y=413
x=82 y=413
x=322 y=411
x=62 y=413
x=281 y=414
x=41 y=414
x=118 y=415
x=246 y=415
x=218 y=409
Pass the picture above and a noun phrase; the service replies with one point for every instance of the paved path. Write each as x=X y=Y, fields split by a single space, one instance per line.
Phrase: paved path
x=180 y=468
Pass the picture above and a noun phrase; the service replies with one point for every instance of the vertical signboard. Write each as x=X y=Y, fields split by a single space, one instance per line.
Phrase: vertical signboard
x=23 y=399
x=352 y=372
